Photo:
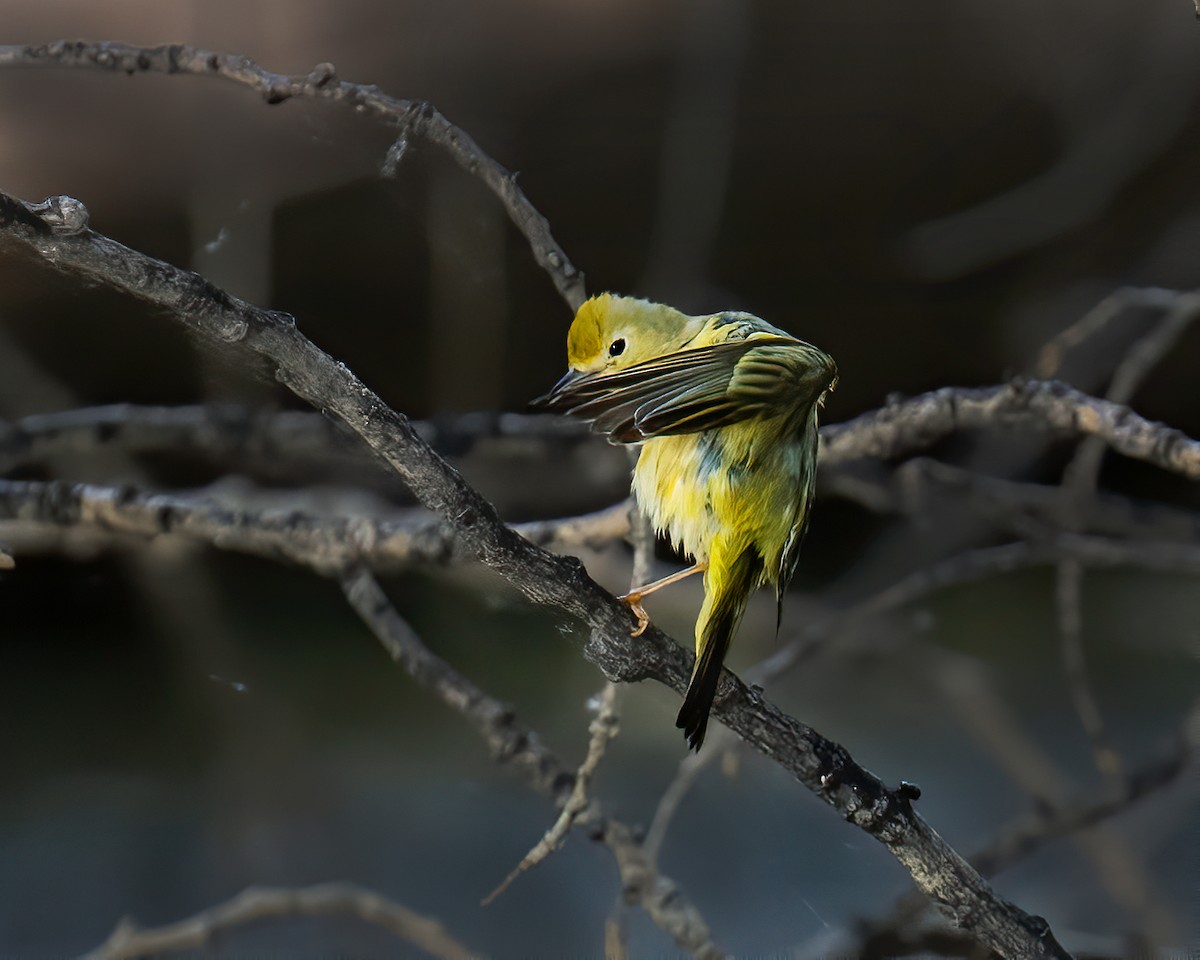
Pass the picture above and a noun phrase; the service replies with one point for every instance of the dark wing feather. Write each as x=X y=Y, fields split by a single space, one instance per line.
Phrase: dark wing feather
x=699 y=389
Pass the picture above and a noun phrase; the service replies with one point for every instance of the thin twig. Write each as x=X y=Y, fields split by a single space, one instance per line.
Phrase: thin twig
x=1068 y=602
x=971 y=566
x=518 y=746
x=1026 y=834
x=267 y=438
x=642 y=537
x=255 y=904
x=686 y=776
x=1013 y=504
x=1050 y=359
x=1080 y=479
x=509 y=740
x=659 y=896
x=1030 y=833
x=1115 y=861
x=410 y=118
x=602 y=729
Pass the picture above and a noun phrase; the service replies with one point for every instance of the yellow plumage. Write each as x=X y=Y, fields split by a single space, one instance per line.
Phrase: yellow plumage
x=725 y=407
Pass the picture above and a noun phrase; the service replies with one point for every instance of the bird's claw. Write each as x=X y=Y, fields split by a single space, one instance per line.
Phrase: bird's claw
x=634 y=602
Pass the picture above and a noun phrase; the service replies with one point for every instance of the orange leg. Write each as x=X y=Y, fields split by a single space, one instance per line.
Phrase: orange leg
x=634 y=597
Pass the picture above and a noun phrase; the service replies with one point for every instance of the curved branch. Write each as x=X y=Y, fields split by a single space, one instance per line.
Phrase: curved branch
x=410 y=117
x=255 y=904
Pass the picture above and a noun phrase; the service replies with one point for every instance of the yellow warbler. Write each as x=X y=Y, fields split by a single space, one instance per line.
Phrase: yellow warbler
x=725 y=407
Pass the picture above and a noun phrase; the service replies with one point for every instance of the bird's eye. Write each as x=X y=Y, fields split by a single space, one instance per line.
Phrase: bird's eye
x=617 y=347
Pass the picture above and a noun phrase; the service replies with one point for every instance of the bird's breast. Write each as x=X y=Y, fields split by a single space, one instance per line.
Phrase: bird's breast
x=724 y=483
x=673 y=484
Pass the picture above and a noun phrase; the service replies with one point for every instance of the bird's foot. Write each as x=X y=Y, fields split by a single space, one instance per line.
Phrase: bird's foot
x=634 y=602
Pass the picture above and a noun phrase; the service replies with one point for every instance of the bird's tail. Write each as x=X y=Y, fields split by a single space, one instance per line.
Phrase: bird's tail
x=727 y=587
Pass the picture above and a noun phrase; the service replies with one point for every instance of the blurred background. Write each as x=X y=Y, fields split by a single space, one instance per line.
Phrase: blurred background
x=930 y=191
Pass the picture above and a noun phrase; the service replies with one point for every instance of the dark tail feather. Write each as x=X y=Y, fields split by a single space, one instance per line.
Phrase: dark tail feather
x=719 y=626
x=693 y=715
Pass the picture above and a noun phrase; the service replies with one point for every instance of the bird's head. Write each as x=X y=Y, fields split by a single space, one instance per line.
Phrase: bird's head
x=611 y=333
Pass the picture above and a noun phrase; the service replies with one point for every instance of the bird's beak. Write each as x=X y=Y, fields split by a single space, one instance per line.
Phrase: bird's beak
x=569 y=379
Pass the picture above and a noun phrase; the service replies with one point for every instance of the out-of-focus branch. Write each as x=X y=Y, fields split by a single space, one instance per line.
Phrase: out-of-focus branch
x=226 y=431
x=899 y=429
x=1028 y=834
x=410 y=118
x=1000 y=731
x=322 y=542
x=1050 y=358
x=642 y=537
x=518 y=746
x=971 y=566
x=907 y=425
x=1080 y=479
x=659 y=896
x=509 y=740
x=57 y=230
x=602 y=729
x=328 y=543
x=256 y=904
x=1012 y=505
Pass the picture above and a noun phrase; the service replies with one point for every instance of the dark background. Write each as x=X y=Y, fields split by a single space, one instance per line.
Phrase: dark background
x=928 y=190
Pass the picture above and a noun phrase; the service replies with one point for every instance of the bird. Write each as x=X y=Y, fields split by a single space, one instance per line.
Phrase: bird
x=725 y=408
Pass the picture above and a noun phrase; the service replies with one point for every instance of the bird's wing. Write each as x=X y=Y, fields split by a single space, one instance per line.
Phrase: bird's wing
x=698 y=389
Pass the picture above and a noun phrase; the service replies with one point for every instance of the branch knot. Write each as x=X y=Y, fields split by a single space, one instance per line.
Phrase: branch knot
x=65 y=216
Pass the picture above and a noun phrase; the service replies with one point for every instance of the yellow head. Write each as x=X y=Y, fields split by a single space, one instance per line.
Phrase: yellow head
x=611 y=333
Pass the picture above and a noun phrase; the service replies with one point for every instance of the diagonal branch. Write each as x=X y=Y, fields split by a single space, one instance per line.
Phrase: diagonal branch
x=1027 y=834
x=57 y=230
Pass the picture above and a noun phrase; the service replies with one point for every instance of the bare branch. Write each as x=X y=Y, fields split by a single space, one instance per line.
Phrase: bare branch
x=1028 y=834
x=271 y=903
x=325 y=543
x=690 y=768
x=267 y=437
x=1050 y=359
x=893 y=431
x=825 y=767
x=510 y=741
x=974 y=565
x=410 y=118
x=1011 y=504
x=906 y=425
x=602 y=729
x=659 y=896
x=1080 y=479
x=518 y=746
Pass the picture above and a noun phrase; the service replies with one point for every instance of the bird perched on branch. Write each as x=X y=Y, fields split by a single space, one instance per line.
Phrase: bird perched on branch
x=725 y=407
